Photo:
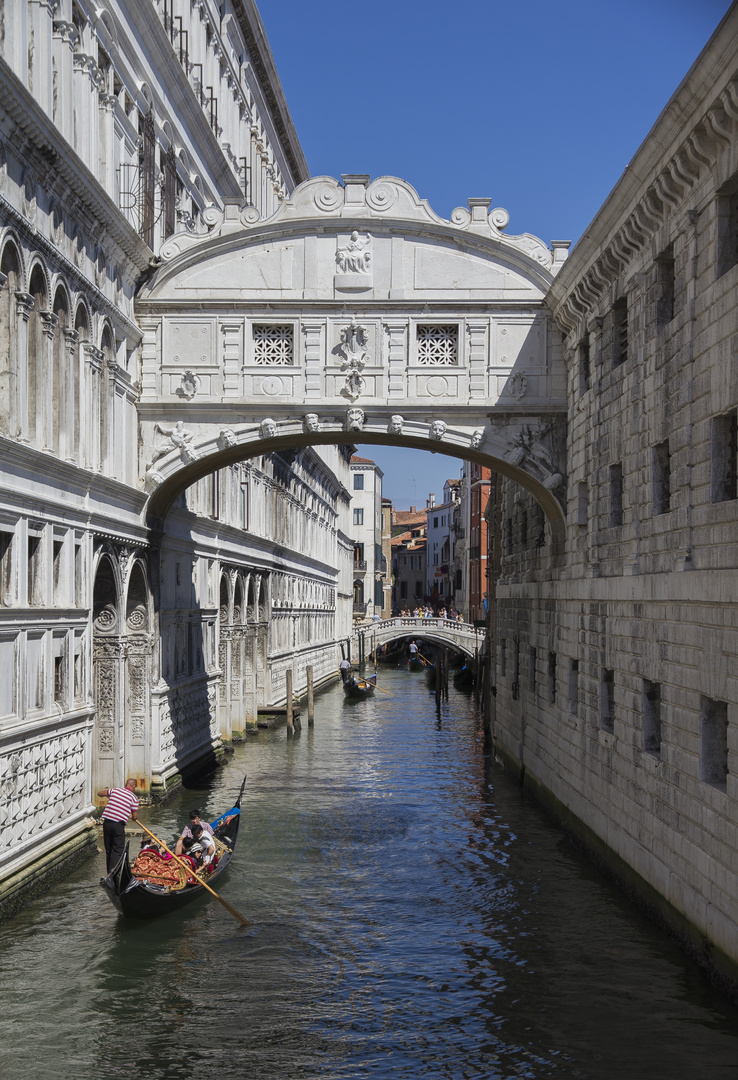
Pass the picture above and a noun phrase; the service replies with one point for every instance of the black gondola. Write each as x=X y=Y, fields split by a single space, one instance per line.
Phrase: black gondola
x=141 y=898
x=416 y=664
x=360 y=688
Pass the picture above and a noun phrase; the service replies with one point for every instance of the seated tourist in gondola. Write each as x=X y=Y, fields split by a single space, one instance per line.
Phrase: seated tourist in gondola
x=196 y=820
x=203 y=848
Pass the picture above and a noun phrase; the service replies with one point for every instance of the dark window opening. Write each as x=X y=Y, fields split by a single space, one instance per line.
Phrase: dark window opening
x=665 y=287
x=620 y=331
x=607 y=700
x=714 y=741
x=616 y=494
x=652 y=717
x=725 y=457
x=661 y=478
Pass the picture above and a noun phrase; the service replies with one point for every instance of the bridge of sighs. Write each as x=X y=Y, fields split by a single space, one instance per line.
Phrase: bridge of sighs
x=353 y=314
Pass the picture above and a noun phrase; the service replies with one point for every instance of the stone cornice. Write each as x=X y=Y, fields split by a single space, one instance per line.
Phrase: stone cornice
x=265 y=69
x=697 y=125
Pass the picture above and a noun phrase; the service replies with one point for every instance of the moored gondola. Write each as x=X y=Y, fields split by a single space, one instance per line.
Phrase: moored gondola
x=360 y=688
x=144 y=892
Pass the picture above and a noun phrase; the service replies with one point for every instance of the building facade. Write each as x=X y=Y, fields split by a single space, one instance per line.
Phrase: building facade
x=370 y=566
x=130 y=650
x=615 y=670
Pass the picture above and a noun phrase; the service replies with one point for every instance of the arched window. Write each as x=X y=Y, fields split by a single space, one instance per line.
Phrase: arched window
x=60 y=382
x=35 y=364
x=10 y=268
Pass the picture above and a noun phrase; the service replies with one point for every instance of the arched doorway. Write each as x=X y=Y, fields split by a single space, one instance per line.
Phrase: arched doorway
x=108 y=678
x=138 y=661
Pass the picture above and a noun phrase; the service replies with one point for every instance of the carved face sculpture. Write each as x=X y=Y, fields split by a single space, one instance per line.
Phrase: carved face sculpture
x=476 y=439
x=437 y=429
x=268 y=429
x=227 y=437
x=395 y=424
x=311 y=421
x=354 y=419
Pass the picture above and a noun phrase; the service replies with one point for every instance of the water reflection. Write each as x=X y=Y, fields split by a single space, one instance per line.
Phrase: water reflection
x=413 y=914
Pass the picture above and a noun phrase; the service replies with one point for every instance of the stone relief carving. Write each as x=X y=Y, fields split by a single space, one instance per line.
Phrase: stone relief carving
x=226 y=438
x=437 y=429
x=268 y=428
x=517 y=385
x=356 y=256
x=395 y=425
x=355 y=420
x=477 y=438
x=311 y=422
x=352 y=350
x=529 y=445
x=189 y=385
x=177 y=439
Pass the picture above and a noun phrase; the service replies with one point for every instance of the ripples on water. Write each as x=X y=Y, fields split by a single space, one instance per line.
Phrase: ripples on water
x=413 y=915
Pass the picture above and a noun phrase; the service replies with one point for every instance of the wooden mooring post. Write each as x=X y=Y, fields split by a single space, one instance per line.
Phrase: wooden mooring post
x=439 y=680
x=289 y=703
x=311 y=698
x=445 y=674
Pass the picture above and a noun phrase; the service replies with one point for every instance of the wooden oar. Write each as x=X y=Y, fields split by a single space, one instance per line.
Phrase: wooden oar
x=188 y=870
x=425 y=660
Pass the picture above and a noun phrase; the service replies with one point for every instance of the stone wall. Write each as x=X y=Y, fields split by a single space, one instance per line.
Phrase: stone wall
x=617 y=691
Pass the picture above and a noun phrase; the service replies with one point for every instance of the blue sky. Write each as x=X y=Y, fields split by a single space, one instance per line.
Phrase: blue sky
x=537 y=105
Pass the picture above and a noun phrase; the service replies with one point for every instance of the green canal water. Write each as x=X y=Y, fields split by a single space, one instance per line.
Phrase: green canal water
x=413 y=915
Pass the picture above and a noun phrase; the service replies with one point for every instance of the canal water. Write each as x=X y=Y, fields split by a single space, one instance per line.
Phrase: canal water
x=413 y=915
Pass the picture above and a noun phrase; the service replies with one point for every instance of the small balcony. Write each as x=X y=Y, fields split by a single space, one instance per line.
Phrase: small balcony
x=359 y=566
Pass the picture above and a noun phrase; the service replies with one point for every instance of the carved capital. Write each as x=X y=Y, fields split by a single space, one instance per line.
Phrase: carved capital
x=50 y=322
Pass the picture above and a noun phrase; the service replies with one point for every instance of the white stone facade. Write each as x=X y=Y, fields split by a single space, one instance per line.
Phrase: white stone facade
x=127 y=650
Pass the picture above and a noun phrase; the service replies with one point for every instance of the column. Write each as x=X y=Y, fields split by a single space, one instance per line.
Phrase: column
x=68 y=396
x=45 y=382
x=23 y=304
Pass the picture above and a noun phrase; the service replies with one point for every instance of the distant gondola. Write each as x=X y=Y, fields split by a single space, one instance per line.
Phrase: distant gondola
x=142 y=897
x=415 y=664
x=464 y=678
x=360 y=688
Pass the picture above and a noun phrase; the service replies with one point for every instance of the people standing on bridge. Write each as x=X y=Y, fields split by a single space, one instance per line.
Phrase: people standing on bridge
x=121 y=805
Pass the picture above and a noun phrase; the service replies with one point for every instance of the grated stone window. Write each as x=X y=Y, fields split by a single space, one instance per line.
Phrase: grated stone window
x=438 y=345
x=274 y=344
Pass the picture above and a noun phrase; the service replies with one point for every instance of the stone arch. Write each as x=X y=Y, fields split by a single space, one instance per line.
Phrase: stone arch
x=504 y=451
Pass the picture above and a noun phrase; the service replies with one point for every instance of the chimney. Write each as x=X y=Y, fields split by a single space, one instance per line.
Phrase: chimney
x=431 y=500
x=413 y=510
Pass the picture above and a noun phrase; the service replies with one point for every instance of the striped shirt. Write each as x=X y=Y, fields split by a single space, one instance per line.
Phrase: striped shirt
x=121 y=802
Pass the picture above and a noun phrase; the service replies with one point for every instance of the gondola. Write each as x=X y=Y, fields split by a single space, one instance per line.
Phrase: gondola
x=360 y=688
x=415 y=664
x=142 y=897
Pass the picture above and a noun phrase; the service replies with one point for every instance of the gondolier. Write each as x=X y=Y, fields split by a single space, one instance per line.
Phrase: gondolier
x=122 y=804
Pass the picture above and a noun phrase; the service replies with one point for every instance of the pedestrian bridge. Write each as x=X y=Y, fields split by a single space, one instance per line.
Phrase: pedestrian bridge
x=447 y=633
x=353 y=314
